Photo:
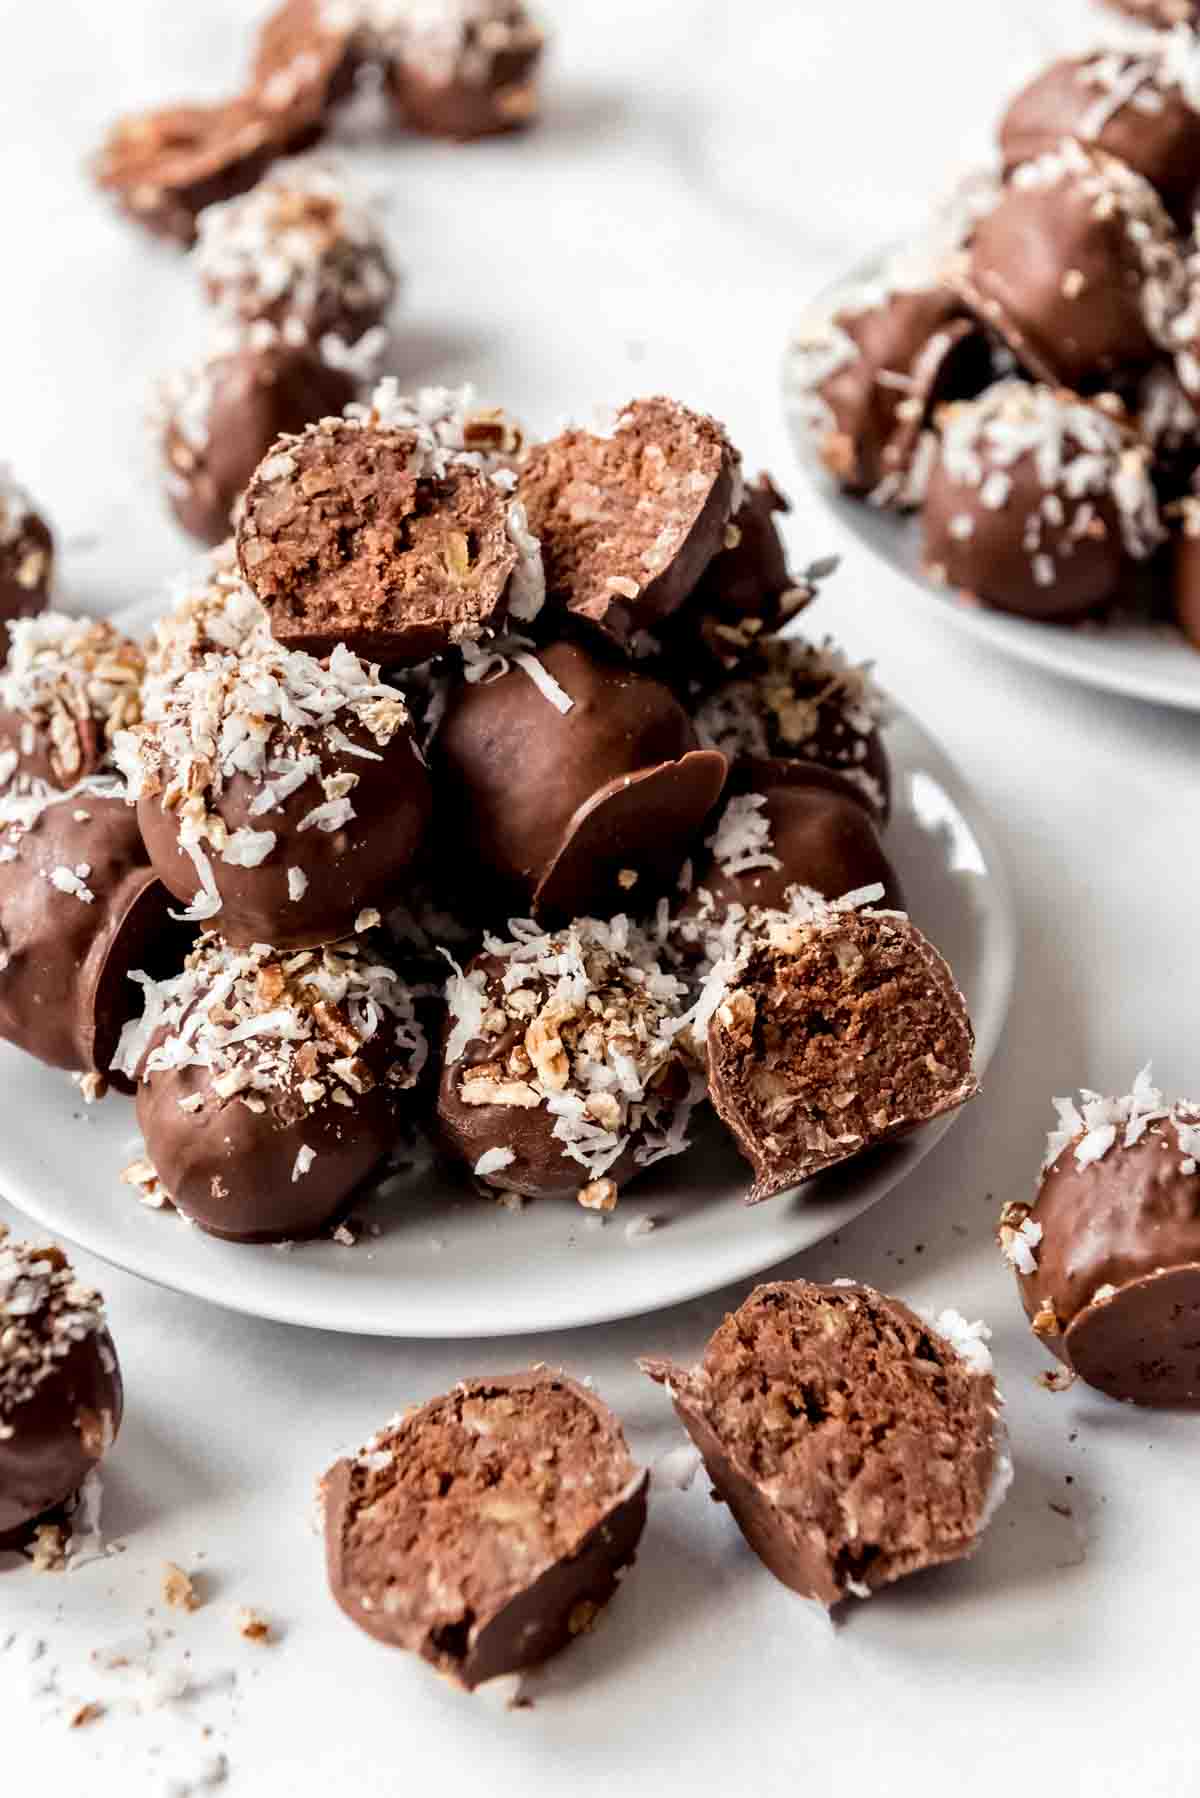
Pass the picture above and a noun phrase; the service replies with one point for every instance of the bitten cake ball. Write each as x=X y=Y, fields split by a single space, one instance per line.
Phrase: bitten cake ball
x=573 y=782
x=80 y=906
x=26 y=553
x=1185 y=572
x=1077 y=267
x=1141 y=105
x=488 y=1528
x=831 y=1034
x=68 y=686
x=393 y=530
x=1108 y=1255
x=1036 y=500
x=562 y=1076
x=460 y=68
x=854 y=1440
x=272 y=1085
x=217 y=420
x=629 y=522
x=805 y=703
x=278 y=796
x=60 y=1386
x=300 y=251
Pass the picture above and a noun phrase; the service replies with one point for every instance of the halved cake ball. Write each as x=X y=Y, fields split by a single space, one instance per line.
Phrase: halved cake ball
x=60 y=1386
x=854 y=1440
x=68 y=686
x=629 y=522
x=562 y=1073
x=486 y=1529
x=26 y=552
x=1037 y=501
x=573 y=782
x=1107 y=1256
x=831 y=1034
x=460 y=68
x=271 y=1085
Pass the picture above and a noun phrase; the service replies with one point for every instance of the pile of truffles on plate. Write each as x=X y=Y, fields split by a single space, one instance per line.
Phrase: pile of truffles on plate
x=1027 y=377
x=477 y=784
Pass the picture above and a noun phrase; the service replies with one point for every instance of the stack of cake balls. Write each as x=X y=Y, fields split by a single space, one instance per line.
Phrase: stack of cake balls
x=480 y=784
x=1026 y=377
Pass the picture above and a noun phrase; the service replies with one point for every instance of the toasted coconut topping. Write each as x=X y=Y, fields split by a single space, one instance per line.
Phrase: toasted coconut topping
x=44 y=1312
x=1092 y=1127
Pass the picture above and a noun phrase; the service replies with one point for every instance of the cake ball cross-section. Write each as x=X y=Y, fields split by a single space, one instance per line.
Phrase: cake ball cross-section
x=486 y=1529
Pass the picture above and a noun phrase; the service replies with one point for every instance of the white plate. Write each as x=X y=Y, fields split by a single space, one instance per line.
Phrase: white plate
x=449 y=1264
x=1142 y=660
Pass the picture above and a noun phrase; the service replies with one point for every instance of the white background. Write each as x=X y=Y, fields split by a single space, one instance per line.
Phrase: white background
x=701 y=169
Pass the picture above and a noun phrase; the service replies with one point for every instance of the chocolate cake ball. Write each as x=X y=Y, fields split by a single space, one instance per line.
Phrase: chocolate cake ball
x=460 y=68
x=805 y=703
x=299 y=250
x=26 y=553
x=390 y=531
x=272 y=1085
x=60 y=1386
x=68 y=686
x=306 y=56
x=629 y=522
x=1141 y=105
x=80 y=906
x=1185 y=571
x=278 y=796
x=1077 y=267
x=488 y=1528
x=561 y=1075
x=1167 y=419
x=213 y=612
x=570 y=783
x=854 y=1440
x=1108 y=1255
x=1036 y=501
x=216 y=421
x=829 y=1035
x=1159 y=12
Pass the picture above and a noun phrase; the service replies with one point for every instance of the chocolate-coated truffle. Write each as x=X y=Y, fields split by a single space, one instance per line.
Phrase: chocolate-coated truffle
x=854 y=1440
x=1108 y=1255
x=80 y=906
x=387 y=531
x=573 y=782
x=1077 y=267
x=60 y=1386
x=1159 y=12
x=562 y=1077
x=214 y=612
x=462 y=68
x=1036 y=500
x=832 y=1033
x=628 y=523
x=272 y=1085
x=26 y=553
x=805 y=702
x=306 y=55
x=278 y=796
x=485 y=1529
x=1185 y=571
x=216 y=421
x=68 y=686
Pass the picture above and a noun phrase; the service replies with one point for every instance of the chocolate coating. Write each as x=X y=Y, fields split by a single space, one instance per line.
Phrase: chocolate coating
x=1185 y=573
x=26 y=555
x=303 y=61
x=853 y=1441
x=485 y=1530
x=471 y=72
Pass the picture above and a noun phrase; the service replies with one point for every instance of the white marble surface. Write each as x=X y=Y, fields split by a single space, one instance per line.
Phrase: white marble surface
x=701 y=169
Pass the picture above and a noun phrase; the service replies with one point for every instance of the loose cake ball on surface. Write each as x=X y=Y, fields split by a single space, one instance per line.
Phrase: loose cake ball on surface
x=272 y=1084
x=1077 y=267
x=486 y=1529
x=60 y=1386
x=562 y=1076
x=393 y=530
x=1185 y=572
x=1108 y=1255
x=80 y=906
x=460 y=68
x=1036 y=500
x=217 y=420
x=805 y=702
x=630 y=521
x=1141 y=105
x=299 y=250
x=571 y=782
x=831 y=1034
x=26 y=553
x=854 y=1440
x=68 y=686
x=278 y=796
